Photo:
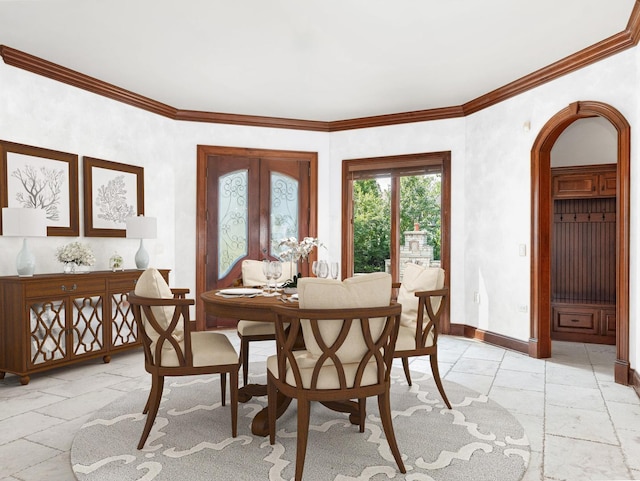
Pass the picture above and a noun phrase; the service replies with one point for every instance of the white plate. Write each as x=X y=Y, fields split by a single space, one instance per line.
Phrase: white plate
x=241 y=291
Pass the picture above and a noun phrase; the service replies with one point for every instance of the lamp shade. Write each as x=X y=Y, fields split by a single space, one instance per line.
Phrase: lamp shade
x=141 y=227
x=20 y=222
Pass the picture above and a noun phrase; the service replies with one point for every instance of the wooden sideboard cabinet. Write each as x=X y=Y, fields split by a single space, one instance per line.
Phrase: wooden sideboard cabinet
x=53 y=320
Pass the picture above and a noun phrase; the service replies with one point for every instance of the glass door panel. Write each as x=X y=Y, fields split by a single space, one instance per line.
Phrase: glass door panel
x=284 y=206
x=233 y=220
x=372 y=225
x=420 y=220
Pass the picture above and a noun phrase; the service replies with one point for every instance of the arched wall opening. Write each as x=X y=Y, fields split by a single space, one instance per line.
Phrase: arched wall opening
x=541 y=214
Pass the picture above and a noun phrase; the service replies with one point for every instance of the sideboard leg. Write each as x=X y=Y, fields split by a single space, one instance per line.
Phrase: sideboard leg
x=2 y=373
x=106 y=359
x=24 y=380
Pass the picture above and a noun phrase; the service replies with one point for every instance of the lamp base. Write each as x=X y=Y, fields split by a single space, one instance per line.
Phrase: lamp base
x=25 y=262
x=142 y=257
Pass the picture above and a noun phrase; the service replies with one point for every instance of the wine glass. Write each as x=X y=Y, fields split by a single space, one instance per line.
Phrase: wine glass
x=334 y=270
x=268 y=274
x=323 y=269
x=276 y=272
x=314 y=268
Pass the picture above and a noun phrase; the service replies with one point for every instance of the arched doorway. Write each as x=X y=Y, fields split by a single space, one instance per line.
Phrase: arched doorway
x=541 y=208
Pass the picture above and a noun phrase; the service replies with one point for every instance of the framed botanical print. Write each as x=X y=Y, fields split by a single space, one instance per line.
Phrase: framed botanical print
x=33 y=177
x=112 y=192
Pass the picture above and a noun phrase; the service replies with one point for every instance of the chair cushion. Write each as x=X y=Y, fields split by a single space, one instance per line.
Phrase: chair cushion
x=367 y=290
x=252 y=275
x=407 y=339
x=256 y=328
x=152 y=284
x=208 y=348
x=418 y=278
x=328 y=378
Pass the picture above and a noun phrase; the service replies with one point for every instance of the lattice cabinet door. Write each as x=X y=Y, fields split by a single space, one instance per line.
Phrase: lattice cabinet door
x=87 y=325
x=61 y=329
x=123 y=326
x=48 y=331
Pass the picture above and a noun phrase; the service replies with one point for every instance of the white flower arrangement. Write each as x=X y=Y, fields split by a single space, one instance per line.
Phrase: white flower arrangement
x=76 y=252
x=297 y=250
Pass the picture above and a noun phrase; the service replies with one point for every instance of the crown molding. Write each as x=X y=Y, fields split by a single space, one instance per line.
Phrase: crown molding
x=610 y=46
x=394 y=119
x=39 y=66
x=251 y=120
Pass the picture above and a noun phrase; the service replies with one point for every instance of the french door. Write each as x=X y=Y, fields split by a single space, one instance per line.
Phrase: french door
x=252 y=200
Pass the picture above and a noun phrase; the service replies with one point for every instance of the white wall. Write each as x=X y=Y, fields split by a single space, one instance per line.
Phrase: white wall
x=497 y=191
x=490 y=157
x=586 y=142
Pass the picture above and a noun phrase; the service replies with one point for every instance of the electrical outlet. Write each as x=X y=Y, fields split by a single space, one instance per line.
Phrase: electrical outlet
x=476 y=297
x=523 y=308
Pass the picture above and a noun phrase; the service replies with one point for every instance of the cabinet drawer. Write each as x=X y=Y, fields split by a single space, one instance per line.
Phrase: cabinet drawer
x=575 y=319
x=72 y=285
x=122 y=285
x=574 y=185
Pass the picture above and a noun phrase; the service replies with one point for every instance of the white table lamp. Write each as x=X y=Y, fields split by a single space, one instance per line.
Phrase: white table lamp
x=141 y=228
x=20 y=222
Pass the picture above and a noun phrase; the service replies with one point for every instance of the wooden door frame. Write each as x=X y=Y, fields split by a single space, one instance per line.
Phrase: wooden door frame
x=541 y=214
x=201 y=204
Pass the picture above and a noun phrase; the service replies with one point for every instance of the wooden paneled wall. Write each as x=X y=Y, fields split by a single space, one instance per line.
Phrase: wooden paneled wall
x=583 y=250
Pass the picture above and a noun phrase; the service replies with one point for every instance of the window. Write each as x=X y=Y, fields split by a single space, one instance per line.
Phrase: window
x=396 y=211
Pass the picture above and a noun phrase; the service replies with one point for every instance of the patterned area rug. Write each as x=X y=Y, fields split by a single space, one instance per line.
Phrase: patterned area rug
x=191 y=439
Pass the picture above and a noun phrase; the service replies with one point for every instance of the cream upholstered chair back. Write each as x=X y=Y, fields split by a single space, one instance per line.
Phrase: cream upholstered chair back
x=338 y=351
x=418 y=278
x=367 y=290
x=252 y=275
x=163 y=325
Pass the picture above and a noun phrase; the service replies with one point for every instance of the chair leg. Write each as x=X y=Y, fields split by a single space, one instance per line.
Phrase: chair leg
x=223 y=387
x=244 y=356
x=272 y=400
x=436 y=377
x=384 y=406
x=304 y=411
x=362 y=412
x=146 y=406
x=405 y=366
x=153 y=403
x=233 y=377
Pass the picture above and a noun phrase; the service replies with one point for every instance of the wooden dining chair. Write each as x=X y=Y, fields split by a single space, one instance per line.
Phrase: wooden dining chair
x=248 y=330
x=421 y=291
x=348 y=352
x=172 y=346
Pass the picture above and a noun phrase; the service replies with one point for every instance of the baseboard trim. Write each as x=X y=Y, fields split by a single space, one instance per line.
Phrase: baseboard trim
x=490 y=337
x=634 y=379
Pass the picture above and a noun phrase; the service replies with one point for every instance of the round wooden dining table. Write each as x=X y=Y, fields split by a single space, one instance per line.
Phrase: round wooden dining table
x=259 y=308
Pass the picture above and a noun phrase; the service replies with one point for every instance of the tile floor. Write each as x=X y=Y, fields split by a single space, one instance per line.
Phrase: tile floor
x=581 y=425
